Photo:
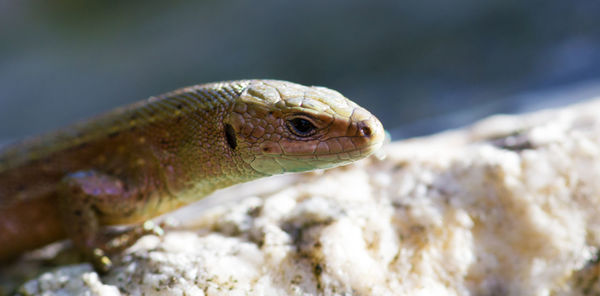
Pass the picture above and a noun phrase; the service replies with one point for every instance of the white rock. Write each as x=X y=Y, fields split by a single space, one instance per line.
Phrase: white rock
x=509 y=206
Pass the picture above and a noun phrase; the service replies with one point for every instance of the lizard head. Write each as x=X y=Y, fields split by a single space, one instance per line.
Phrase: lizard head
x=278 y=126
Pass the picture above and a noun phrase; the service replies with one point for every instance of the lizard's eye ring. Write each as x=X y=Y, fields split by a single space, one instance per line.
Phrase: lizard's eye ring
x=301 y=126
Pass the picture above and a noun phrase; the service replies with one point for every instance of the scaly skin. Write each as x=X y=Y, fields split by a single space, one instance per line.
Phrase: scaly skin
x=157 y=155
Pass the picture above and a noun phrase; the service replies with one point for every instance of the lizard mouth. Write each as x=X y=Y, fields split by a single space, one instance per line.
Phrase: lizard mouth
x=349 y=155
x=291 y=163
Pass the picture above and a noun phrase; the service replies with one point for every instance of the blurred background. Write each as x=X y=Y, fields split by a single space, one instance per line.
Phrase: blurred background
x=421 y=66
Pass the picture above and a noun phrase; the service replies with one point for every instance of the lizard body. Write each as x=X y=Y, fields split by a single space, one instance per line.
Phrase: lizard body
x=154 y=156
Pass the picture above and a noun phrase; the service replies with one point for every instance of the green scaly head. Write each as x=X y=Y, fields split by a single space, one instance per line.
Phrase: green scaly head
x=279 y=126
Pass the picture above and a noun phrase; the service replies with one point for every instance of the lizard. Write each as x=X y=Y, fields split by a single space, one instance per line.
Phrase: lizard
x=140 y=161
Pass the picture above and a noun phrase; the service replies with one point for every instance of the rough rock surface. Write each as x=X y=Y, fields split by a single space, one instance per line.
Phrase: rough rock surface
x=509 y=206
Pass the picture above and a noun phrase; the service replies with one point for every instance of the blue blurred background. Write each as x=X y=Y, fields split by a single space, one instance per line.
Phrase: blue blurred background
x=421 y=66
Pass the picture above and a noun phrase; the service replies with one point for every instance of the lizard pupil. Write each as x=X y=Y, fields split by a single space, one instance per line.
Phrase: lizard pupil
x=301 y=127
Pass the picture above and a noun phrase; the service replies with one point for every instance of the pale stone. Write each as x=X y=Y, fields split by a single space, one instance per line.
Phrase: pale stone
x=509 y=206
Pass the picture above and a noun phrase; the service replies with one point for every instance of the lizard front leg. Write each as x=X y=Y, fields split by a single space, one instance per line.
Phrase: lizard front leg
x=87 y=196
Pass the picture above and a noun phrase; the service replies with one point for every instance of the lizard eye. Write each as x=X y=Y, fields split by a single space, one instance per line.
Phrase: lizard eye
x=301 y=127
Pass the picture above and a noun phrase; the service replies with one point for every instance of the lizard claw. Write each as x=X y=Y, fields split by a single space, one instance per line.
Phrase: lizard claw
x=102 y=263
x=149 y=227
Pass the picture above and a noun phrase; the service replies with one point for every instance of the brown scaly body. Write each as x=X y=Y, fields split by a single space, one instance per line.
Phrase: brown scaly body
x=144 y=160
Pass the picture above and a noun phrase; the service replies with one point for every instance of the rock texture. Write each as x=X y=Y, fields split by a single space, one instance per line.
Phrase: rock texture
x=509 y=206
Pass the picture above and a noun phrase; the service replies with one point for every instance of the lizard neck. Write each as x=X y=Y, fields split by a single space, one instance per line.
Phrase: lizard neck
x=197 y=157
